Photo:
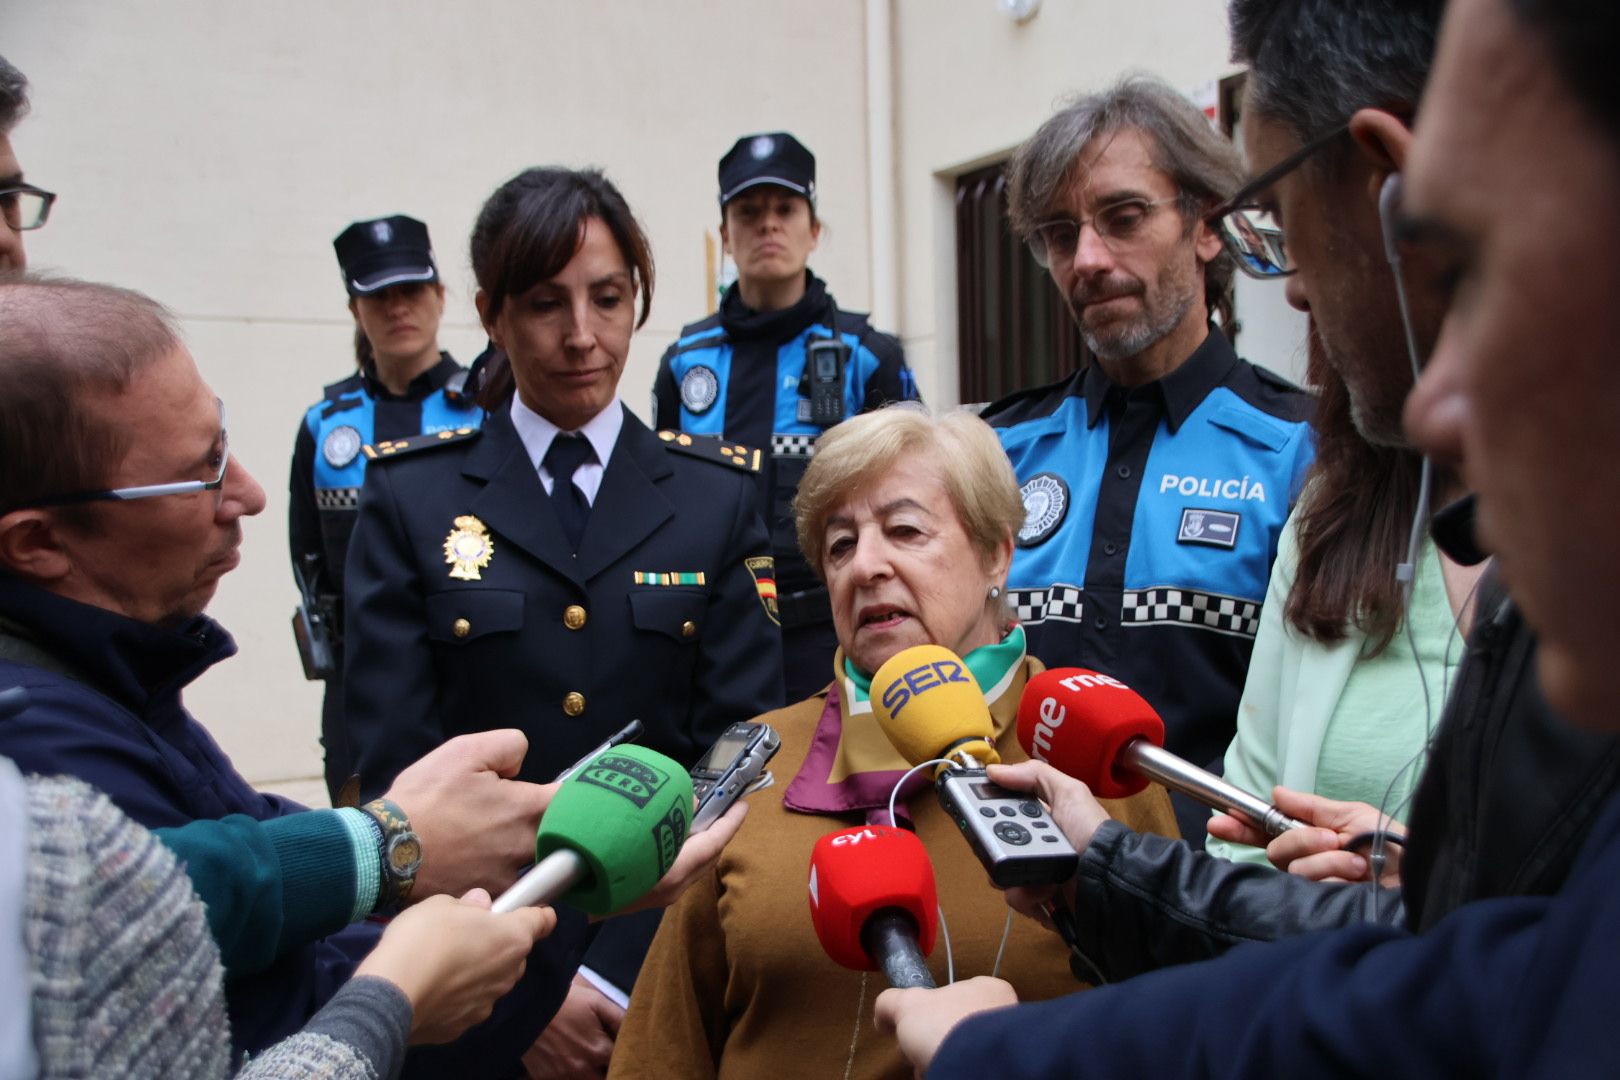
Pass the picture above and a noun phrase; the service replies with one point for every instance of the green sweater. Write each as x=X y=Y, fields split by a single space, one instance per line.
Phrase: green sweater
x=271 y=886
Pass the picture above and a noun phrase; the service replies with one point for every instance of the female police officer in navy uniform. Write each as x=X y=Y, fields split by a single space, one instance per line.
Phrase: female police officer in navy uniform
x=563 y=570
x=404 y=385
x=778 y=365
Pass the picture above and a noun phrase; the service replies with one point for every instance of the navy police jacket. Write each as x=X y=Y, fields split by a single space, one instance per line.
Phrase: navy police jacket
x=328 y=467
x=741 y=373
x=1506 y=987
x=107 y=709
x=1152 y=518
x=467 y=610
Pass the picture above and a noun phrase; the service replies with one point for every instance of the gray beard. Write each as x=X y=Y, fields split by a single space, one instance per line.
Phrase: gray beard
x=1139 y=335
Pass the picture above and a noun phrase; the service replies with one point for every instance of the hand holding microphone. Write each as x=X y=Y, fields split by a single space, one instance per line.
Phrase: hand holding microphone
x=1095 y=728
x=611 y=832
x=873 y=902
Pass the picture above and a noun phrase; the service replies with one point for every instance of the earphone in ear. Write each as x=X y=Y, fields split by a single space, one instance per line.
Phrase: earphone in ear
x=1389 y=197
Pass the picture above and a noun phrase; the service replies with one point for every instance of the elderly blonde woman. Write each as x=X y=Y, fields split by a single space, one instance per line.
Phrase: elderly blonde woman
x=910 y=521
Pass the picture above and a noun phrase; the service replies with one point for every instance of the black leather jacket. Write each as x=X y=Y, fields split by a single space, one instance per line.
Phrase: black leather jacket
x=1510 y=792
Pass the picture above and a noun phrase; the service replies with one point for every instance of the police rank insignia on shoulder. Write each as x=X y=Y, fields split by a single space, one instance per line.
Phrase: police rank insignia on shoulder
x=389 y=448
x=468 y=548
x=713 y=448
x=1046 y=504
x=342 y=446
x=762 y=568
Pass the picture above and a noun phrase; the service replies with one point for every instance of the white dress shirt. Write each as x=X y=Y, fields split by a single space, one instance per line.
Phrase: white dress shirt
x=601 y=431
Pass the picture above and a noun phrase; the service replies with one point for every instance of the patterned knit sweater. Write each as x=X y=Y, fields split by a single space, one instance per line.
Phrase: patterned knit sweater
x=126 y=981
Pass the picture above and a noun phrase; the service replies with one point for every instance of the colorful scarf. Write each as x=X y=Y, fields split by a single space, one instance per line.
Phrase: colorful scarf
x=851 y=765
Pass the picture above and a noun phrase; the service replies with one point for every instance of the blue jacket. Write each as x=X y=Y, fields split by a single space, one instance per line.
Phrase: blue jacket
x=328 y=467
x=1153 y=520
x=741 y=373
x=108 y=710
x=1510 y=987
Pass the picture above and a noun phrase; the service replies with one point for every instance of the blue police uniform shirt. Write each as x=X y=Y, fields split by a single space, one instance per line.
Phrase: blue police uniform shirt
x=1152 y=518
x=328 y=467
x=742 y=374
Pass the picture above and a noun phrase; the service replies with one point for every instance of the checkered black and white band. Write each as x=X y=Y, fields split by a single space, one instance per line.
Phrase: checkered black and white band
x=337 y=498
x=1209 y=611
x=1059 y=602
x=793 y=446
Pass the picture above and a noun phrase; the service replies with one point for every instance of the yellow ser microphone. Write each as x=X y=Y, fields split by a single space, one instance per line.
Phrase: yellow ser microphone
x=929 y=705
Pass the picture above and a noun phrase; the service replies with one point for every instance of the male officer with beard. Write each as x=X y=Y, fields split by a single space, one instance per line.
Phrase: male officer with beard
x=1158 y=478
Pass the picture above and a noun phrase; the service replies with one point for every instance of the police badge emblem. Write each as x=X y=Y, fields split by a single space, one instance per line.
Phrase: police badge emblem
x=382 y=232
x=342 y=446
x=468 y=548
x=1046 y=504
x=762 y=147
x=699 y=389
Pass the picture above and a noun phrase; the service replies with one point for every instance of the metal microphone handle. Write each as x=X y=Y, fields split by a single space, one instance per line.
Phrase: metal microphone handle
x=1159 y=764
x=544 y=881
x=890 y=938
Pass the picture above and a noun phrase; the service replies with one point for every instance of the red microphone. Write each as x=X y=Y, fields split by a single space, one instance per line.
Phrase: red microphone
x=873 y=902
x=1096 y=729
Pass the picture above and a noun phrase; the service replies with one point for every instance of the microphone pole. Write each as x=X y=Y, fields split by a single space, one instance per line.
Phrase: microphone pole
x=890 y=937
x=1156 y=763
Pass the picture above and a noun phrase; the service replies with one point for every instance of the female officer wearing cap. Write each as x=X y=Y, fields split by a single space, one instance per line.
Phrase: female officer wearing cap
x=404 y=386
x=776 y=366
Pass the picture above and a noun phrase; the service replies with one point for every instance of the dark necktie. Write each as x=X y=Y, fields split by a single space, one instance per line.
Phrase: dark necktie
x=567 y=453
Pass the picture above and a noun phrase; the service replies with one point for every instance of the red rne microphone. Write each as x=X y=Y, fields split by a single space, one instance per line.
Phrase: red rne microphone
x=1096 y=729
x=873 y=902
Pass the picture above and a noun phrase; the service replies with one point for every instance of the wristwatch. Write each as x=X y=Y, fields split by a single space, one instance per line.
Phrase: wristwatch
x=401 y=853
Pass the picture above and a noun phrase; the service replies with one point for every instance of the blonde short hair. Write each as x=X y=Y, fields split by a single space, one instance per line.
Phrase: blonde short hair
x=978 y=477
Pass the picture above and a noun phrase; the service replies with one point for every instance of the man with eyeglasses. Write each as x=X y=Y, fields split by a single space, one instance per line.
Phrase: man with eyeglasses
x=1517 y=805
x=22 y=205
x=1157 y=479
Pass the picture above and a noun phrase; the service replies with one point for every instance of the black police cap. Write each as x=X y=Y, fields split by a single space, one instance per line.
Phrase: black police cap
x=772 y=158
x=384 y=251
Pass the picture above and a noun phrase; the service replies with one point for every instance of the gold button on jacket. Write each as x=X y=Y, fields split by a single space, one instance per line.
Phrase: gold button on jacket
x=688 y=628
x=574 y=703
x=461 y=628
x=573 y=616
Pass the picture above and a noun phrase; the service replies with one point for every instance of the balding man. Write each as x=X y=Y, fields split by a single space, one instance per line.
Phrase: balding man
x=120 y=510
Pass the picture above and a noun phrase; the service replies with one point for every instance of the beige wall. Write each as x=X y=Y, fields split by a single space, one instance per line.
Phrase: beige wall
x=207 y=153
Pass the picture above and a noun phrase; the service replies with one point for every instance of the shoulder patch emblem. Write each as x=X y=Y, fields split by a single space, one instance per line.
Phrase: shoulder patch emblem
x=762 y=568
x=1046 y=504
x=700 y=386
x=390 y=448
x=468 y=548
x=342 y=446
x=713 y=448
x=1213 y=528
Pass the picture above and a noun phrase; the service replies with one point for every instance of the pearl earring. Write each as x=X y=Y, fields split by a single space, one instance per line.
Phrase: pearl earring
x=995 y=592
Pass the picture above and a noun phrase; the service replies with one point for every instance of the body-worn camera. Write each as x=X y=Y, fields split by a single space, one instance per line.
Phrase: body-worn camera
x=826 y=360
x=1013 y=835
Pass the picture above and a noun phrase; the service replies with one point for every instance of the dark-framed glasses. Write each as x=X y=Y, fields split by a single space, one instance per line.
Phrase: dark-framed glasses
x=25 y=206
x=1249 y=230
x=1118 y=225
x=221 y=451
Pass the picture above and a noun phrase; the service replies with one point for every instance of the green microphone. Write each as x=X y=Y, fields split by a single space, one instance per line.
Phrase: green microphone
x=612 y=830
